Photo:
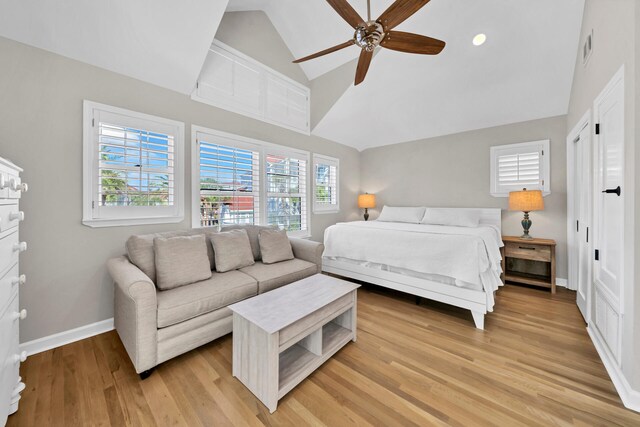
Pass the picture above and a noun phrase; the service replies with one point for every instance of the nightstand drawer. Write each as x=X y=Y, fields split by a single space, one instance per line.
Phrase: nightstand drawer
x=528 y=251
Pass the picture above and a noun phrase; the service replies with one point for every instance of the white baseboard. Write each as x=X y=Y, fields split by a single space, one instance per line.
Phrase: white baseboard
x=630 y=397
x=66 y=337
x=563 y=283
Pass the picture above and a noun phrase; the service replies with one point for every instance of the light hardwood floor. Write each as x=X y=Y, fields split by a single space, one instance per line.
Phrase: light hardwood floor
x=411 y=366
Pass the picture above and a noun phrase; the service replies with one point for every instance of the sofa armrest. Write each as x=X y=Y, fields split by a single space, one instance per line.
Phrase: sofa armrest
x=308 y=250
x=135 y=312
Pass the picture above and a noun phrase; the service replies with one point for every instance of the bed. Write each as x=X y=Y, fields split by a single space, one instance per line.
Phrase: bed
x=457 y=265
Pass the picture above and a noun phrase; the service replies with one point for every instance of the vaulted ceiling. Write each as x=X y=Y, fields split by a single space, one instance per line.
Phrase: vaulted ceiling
x=163 y=42
x=523 y=72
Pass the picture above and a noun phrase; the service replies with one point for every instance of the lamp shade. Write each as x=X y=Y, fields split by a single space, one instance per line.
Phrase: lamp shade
x=526 y=201
x=366 y=201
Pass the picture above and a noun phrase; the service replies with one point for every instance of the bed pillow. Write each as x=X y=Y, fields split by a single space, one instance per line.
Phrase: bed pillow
x=401 y=214
x=274 y=246
x=454 y=217
x=232 y=250
x=180 y=261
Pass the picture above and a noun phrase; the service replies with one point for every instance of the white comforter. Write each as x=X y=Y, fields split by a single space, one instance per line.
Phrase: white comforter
x=470 y=255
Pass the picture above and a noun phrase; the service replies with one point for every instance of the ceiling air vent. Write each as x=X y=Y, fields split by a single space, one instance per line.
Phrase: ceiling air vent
x=587 y=48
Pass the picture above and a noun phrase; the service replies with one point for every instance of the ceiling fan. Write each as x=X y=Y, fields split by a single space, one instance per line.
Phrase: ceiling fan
x=371 y=34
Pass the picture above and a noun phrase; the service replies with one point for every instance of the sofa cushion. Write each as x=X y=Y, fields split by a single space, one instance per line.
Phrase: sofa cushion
x=253 y=231
x=141 y=254
x=186 y=302
x=231 y=250
x=181 y=260
x=274 y=246
x=271 y=276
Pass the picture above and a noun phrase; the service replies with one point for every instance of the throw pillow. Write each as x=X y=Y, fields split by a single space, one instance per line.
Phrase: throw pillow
x=232 y=250
x=180 y=261
x=252 y=232
x=274 y=246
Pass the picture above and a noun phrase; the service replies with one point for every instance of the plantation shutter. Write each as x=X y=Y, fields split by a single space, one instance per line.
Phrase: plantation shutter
x=519 y=166
x=238 y=83
x=286 y=174
x=229 y=182
x=135 y=167
x=325 y=176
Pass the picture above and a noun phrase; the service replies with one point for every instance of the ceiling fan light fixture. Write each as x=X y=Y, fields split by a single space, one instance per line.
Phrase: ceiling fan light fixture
x=371 y=33
x=479 y=39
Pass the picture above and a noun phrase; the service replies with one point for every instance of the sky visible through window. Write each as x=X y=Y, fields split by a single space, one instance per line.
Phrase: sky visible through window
x=136 y=167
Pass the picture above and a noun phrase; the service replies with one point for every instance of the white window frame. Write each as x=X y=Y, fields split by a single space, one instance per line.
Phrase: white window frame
x=281 y=151
x=263 y=148
x=325 y=208
x=267 y=74
x=94 y=217
x=524 y=147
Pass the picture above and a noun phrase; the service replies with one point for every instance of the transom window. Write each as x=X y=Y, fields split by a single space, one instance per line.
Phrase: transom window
x=132 y=167
x=241 y=180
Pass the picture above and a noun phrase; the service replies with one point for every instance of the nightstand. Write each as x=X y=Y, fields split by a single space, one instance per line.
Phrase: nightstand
x=529 y=261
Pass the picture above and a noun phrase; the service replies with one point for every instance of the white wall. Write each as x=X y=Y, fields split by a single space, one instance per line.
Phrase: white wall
x=41 y=98
x=614 y=25
x=454 y=171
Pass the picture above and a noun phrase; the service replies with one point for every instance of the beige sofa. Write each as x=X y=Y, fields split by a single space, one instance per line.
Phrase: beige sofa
x=155 y=325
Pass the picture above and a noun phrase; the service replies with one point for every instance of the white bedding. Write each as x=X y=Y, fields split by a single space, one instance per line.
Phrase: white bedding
x=467 y=257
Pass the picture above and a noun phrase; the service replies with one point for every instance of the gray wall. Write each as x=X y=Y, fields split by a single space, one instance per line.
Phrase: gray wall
x=615 y=43
x=253 y=34
x=41 y=98
x=454 y=171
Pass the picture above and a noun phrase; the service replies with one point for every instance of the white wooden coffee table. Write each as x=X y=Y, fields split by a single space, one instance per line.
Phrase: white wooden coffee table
x=282 y=336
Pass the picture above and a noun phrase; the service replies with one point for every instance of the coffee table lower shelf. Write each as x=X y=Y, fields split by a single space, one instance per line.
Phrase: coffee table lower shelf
x=297 y=363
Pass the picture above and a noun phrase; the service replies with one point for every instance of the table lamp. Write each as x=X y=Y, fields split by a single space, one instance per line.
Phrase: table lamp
x=526 y=201
x=366 y=201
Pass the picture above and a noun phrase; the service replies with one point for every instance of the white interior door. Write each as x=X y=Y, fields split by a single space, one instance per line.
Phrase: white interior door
x=609 y=213
x=582 y=219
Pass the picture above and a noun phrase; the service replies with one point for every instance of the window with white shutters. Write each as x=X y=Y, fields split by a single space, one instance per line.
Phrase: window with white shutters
x=228 y=181
x=518 y=166
x=286 y=175
x=325 y=184
x=238 y=180
x=236 y=82
x=133 y=172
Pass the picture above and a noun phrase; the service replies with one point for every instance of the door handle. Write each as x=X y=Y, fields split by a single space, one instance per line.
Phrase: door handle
x=616 y=190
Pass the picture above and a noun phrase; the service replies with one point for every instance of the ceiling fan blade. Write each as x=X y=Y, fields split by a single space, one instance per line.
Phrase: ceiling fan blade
x=324 y=52
x=399 y=11
x=347 y=12
x=363 y=66
x=412 y=43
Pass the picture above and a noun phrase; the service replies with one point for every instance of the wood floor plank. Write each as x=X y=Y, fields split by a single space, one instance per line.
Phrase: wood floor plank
x=413 y=365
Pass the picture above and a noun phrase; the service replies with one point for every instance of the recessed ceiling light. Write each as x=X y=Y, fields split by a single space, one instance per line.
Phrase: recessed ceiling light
x=479 y=39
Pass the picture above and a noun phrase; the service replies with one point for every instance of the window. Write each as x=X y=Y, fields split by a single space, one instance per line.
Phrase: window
x=241 y=180
x=132 y=168
x=518 y=166
x=325 y=184
x=229 y=183
x=286 y=190
x=233 y=81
